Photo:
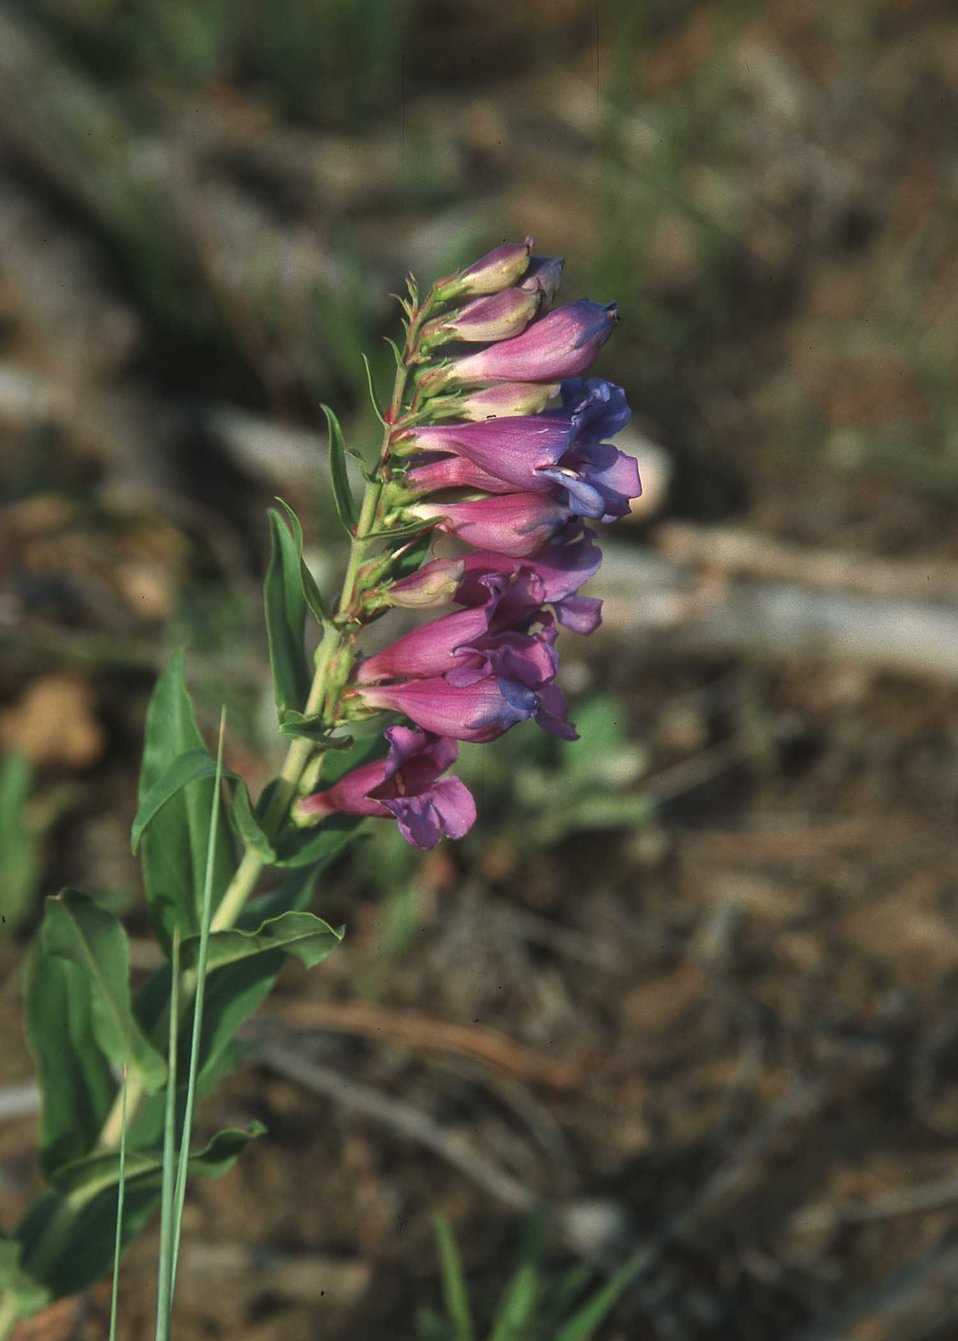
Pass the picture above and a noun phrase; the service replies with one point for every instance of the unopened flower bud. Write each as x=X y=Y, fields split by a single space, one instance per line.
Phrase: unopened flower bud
x=434 y=584
x=495 y=402
x=498 y=316
x=498 y=269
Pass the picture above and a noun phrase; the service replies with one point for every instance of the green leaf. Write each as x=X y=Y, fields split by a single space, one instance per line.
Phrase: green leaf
x=454 y=1290
x=85 y=1252
x=311 y=593
x=29 y=1294
x=186 y=768
x=173 y=848
x=306 y=847
x=401 y=531
x=92 y=940
x=98 y=1173
x=285 y=605
x=315 y=729
x=76 y=1082
x=306 y=937
x=19 y=843
x=517 y=1309
x=412 y=557
x=246 y=825
x=582 y=1326
x=342 y=492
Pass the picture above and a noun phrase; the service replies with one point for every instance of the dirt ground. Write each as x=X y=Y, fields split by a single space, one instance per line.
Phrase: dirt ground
x=720 y=1023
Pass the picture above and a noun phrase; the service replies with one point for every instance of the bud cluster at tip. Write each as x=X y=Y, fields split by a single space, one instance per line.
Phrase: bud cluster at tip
x=506 y=448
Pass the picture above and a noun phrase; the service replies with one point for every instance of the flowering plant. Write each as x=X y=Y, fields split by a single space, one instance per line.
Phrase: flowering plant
x=495 y=457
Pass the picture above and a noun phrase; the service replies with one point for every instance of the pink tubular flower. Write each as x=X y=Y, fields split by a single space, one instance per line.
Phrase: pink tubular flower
x=491 y=638
x=563 y=343
x=405 y=785
x=560 y=569
x=479 y=712
x=514 y=524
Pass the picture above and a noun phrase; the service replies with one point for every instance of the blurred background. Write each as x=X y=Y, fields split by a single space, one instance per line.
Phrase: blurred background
x=691 y=980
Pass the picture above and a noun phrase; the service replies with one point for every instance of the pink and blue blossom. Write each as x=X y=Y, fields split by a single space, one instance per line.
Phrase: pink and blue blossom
x=406 y=785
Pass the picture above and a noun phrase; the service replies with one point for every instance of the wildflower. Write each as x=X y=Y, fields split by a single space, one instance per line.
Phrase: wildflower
x=515 y=524
x=563 y=343
x=481 y=711
x=406 y=785
x=491 y=638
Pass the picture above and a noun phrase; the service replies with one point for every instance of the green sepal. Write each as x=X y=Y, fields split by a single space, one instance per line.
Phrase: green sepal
x=174 y=845
x=186 y=768
x=285 y=605
x=342 y=493
x=303 y=935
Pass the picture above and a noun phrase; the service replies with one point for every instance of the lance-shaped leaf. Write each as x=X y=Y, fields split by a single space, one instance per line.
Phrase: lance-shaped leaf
x=186 y=768
x=342 y=492
x=174 y=845
x=302 y=935
x=307 y=847
x=76 y=1081
x=233 y=993
x=87 y=1224
x=92 y=940
x=285 y=605
x=311 y=593
x=313 y=728
x=246 y=825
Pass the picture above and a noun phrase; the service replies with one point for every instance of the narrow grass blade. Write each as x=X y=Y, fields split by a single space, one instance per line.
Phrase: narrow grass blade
x=164 y=1277
x=206 y=917
x=453 y=1282
x=120 y=1191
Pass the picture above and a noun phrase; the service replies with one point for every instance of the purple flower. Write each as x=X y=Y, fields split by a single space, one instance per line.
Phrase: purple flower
x=497 y=316
x=498 y=269
x=544 y=275
x=481 y=711
x=563 y=343
x=558 y=452
x=453 y=472
x=515 y=524
x=559 y=570
x=487 y=639
x=406 y=785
